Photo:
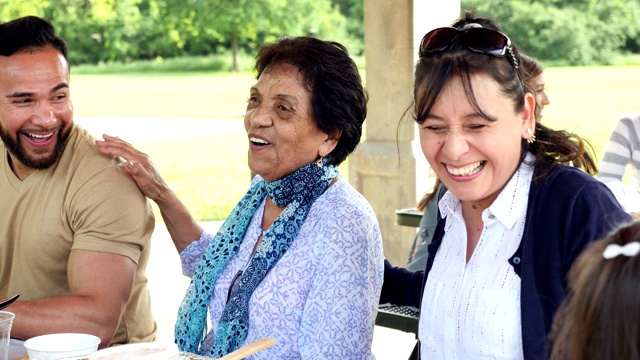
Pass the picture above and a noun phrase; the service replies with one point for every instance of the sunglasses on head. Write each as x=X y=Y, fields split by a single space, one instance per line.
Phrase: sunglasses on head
x=476 y=39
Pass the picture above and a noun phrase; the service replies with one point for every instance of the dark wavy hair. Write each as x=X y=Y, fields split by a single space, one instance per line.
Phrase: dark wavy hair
x=551 y=148
x=29 y=33
x=338 y=98
x=600 y=318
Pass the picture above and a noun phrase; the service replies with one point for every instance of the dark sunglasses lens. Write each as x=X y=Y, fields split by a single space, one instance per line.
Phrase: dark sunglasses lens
x=437 y=40
x=486 y=41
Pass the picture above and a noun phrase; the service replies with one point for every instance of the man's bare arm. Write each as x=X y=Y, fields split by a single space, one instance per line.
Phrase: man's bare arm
x=100 y=285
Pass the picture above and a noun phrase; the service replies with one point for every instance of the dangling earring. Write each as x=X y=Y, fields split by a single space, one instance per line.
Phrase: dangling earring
x=532 y=137
x=319 y=162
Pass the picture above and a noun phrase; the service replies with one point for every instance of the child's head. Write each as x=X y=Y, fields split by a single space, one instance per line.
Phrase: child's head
x=601 y=318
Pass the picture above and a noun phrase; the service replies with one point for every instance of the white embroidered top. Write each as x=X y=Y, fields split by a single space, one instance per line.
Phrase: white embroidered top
x=321 y=299
x=472 y=310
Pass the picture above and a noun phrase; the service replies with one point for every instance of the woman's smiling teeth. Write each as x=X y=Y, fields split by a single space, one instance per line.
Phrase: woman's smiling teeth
x=466 y=170
x=257 y=141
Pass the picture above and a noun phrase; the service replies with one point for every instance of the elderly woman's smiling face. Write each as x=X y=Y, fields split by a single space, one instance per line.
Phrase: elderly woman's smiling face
x=283 y=136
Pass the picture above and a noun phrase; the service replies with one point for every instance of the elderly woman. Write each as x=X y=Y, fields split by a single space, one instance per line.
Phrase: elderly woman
x=513 y=219
x=299 y=259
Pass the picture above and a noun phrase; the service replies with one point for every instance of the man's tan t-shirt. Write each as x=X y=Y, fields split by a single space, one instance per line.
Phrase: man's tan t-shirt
x=83 y=202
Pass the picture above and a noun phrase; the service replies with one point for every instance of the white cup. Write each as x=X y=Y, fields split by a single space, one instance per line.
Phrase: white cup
x=58 y=346
x=6 y=319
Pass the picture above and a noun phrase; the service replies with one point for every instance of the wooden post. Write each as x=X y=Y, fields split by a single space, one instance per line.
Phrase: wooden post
x=383 y=168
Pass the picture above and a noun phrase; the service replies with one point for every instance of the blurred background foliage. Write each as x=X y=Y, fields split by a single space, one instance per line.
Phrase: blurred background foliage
x=562 y=32
x=567 y=32
x=127 y=30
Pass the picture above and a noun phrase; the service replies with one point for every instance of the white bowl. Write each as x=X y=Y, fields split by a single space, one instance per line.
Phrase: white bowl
x=57 y=346
x=146 y=351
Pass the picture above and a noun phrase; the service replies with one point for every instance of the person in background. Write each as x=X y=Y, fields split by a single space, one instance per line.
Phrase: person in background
x=514 y=217
x=623 y=149
x=533 y=76
x=75 y=230
x=300 y=258
x=429 y=205
x=601 y=315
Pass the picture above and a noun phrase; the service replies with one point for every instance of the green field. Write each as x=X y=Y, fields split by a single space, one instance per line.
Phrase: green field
x=209 y=172
x=182 y=95
x=589 y=100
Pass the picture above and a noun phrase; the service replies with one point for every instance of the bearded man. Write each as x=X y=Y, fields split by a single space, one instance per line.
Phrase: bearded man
x=74 y=229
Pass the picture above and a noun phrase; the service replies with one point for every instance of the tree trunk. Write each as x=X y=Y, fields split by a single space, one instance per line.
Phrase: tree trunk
x=234 y=51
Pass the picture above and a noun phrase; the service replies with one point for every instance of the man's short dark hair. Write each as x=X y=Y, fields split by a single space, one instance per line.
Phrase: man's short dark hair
x=27 y=34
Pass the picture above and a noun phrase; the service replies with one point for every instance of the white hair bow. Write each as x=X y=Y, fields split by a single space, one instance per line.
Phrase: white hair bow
x=613 y=250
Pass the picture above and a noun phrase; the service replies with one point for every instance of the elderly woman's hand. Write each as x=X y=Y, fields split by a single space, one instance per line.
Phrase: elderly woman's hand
x=138 y=165
x=182 y=227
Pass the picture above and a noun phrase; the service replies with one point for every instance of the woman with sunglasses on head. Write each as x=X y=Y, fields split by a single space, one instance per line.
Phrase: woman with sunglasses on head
x=513 y=219
x=533 y=77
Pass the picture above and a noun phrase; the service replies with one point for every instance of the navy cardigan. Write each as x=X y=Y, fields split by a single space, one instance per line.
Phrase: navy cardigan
x=566 y=211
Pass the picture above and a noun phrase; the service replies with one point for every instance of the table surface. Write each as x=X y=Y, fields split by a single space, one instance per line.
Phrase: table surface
x=408 y=217
x=17 y=350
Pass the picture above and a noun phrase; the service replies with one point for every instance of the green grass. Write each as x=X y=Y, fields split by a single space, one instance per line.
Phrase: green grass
x=210 y=63
x=210 y=173
x=219 y=62
x=163 y=95
x=589 y=100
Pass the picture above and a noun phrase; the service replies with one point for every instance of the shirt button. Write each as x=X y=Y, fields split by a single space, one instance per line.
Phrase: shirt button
x=492 y=216
x=516 y=260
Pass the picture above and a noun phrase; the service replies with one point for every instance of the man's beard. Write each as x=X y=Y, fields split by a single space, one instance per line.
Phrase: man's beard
x=15 y=148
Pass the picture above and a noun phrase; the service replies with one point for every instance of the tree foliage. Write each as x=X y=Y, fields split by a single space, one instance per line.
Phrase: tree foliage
x=576 y=32
x=565 y=31
x=122 y=30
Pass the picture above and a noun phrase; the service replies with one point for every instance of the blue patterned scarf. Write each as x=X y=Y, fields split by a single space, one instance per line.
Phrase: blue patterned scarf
x=297 y=191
